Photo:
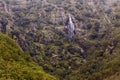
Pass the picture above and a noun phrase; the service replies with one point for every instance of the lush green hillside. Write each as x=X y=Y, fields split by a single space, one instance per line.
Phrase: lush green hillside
x=16 y=65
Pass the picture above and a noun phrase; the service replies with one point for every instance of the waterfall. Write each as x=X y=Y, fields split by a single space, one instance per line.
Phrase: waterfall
x=70 y=27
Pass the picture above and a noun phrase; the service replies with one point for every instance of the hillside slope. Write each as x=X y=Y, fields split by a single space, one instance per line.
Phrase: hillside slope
x=16 y=65
x=40 y=27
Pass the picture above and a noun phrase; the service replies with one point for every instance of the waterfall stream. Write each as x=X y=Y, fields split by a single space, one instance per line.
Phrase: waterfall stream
x=70 y=27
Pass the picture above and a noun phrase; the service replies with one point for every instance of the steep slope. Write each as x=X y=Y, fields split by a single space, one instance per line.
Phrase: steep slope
x=16 y=65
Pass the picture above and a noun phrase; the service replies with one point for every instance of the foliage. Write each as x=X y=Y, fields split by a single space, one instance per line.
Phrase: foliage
x=17 y=65
x=39 y=29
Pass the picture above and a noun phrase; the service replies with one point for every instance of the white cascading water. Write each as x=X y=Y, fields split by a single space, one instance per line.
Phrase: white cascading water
x=71 y=27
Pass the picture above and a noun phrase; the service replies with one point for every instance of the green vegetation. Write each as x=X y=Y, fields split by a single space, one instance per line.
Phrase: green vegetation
x=101 y=65
x=39 y=29
x=17 y=65
x=68 y=63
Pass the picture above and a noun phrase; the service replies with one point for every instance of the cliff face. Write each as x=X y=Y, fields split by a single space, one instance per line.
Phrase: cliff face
x=39 y=27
